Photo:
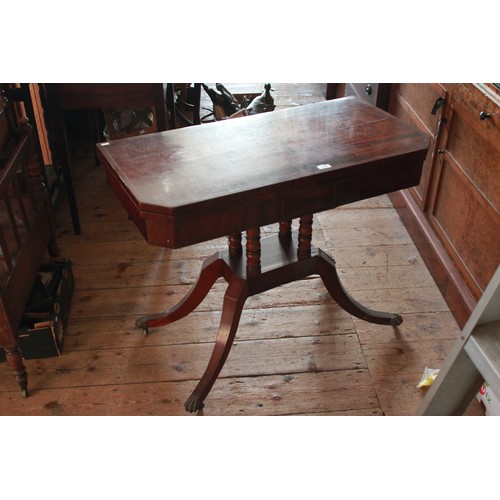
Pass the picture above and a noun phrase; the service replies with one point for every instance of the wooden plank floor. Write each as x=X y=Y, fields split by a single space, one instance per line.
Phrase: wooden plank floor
x=296 y=351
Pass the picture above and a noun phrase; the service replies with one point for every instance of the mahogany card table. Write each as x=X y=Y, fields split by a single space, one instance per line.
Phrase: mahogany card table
x=195 y=184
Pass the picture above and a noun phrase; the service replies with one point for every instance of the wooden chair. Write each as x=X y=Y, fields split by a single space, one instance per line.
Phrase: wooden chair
x=61 y=97
x=187 y=105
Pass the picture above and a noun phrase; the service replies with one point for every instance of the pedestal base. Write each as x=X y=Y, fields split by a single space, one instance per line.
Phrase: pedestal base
x=281 y=263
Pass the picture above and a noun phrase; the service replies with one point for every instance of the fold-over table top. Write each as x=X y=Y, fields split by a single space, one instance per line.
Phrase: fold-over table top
x=260 y=169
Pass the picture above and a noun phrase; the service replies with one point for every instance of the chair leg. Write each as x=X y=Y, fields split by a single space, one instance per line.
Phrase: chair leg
x=188 y=106
x=196 y=104
x=170 y=104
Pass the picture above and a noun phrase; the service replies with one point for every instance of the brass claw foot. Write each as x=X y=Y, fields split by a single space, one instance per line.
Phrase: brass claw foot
x=142 y=323
x=193 y=404
x=396 y=320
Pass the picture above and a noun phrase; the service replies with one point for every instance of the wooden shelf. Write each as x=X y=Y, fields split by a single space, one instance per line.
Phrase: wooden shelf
x=474 y=358
x=483 y=348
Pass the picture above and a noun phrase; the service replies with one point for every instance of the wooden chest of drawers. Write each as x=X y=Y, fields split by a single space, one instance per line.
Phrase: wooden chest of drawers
x=453 y=215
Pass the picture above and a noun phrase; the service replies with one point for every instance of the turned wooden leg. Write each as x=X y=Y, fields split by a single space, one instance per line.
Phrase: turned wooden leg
x=235 y=247
x=253 y=251
x=285 y=231
x=305 y=236
x=15 y=361
x=210 y=272
x=234 y=300
x=328 y=273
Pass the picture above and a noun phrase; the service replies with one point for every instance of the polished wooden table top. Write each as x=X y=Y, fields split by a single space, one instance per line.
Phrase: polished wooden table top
x=190 y=185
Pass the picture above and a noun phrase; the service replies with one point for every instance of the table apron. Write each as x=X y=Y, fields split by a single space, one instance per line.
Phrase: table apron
x=230 y=217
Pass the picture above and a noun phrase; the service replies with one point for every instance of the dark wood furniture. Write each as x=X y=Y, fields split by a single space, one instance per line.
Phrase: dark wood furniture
x=187 y=106
x=453 y=214
x=373 y=93
x=191 y=185
x=61 y=97
x=26 y=229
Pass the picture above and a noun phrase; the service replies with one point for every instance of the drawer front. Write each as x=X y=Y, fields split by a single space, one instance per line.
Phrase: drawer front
x=480 y=108
x=476 y=156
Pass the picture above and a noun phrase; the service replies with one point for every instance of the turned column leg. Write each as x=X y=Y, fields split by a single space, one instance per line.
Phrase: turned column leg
x=234 y=300
x=305 y=236
x=235 y=247
x=285 y=231
x=15 y=361
x=253 y=251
